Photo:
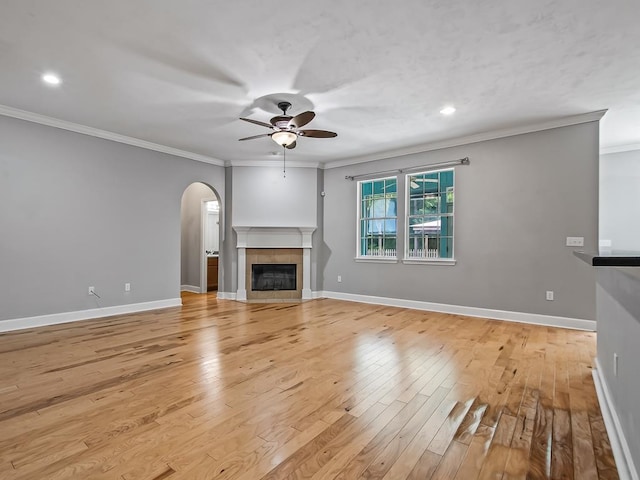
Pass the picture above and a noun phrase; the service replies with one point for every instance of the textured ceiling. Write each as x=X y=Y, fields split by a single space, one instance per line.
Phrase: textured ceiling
x=180 y=73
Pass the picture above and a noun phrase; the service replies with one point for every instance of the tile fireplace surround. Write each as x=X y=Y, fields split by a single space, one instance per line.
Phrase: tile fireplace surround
x=276 y=245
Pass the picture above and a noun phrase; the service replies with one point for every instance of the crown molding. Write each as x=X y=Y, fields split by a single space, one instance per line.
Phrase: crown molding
x=272 y=163
x=96 y=132
x=466 y=140
x=620 y=148
x=426 y=147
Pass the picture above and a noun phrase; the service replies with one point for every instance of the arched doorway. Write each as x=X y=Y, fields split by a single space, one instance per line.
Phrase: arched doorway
x=201 y=239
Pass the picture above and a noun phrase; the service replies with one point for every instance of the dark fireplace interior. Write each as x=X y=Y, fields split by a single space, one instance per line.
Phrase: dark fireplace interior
x=273 y=276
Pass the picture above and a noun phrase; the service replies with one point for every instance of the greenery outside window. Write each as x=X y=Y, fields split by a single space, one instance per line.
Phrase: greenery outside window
x=377 y=217
x=429 y=229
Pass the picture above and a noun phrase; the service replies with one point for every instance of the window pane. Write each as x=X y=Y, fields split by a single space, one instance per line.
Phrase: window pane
x=376 y=208
x=446 y=179
x=367 y=188
x=416 y=206
x=390 y=226
x=390 y=207
x=391 y=185
x=431 y=203
x=375 y=226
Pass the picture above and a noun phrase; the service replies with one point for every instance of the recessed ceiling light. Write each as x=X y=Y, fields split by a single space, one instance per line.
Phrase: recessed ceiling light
x=51 y=79
x=448 y=110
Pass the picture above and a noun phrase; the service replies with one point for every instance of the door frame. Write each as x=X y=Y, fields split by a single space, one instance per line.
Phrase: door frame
x=203 y=240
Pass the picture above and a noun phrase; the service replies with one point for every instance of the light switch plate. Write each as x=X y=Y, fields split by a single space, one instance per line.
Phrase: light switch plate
x=575 y=241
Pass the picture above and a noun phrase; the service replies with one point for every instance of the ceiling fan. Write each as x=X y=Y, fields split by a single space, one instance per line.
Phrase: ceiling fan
x=286 y=129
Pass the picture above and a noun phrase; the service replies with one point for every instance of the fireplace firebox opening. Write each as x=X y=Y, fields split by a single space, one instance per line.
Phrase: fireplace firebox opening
x=273 y=276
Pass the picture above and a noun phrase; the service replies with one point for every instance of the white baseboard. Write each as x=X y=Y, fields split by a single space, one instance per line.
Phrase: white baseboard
x=521 y=317
x=66 y=317
x=226 y=295
x=619 y=445
x=190 y=288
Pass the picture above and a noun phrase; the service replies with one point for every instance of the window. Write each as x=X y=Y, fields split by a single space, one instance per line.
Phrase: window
x=430 y=215
x=377 y=217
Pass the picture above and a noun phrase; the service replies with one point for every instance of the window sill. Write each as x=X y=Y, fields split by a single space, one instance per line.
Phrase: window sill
x=429 y=261
x=376 y=259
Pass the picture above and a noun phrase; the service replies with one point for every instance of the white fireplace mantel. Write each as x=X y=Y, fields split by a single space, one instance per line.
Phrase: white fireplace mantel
x=274 y=237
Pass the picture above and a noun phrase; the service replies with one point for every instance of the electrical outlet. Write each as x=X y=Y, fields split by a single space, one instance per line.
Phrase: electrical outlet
x=92 y=291
x=615 y=364
x=339 y=278
x=127 y=287
x=575 y=241
x=550 y=295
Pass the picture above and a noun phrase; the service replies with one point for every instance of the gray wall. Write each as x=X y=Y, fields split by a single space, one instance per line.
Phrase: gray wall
x=618 y=294
x=620 y=200
x=79 y=211
x=263 y=197
x=515 y=204
x=191 y=232
x=110 y=214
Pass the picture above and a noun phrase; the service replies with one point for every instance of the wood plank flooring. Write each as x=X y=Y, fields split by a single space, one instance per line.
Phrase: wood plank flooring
x=323 y=389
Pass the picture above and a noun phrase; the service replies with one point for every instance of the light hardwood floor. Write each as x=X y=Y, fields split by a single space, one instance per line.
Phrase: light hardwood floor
x=323 y=389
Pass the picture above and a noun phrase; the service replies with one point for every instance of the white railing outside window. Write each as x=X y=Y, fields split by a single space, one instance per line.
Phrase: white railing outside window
x=424 y=253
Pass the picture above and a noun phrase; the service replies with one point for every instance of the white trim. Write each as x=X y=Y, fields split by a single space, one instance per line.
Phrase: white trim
x=190 y=288
x=620 y=148
x=96 y=132
x=272 y=163
x=373 y=259
x=520 y=317
x=480 y=137
x=226 y=296
x=317 y=294
x=428 y=261
x=66 y=317
x=619 y=445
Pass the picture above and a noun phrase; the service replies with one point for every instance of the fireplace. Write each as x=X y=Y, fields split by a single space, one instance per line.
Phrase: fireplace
x=282 y=247
x=273 y=276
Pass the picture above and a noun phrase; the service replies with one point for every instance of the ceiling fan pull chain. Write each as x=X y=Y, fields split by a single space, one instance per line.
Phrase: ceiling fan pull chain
x=284 y=161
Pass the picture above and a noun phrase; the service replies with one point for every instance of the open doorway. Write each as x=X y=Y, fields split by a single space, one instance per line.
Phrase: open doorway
x=211 y=242
x=201 y=238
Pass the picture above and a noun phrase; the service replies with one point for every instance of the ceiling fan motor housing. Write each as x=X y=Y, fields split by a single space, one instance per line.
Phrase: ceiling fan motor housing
x=282 y=121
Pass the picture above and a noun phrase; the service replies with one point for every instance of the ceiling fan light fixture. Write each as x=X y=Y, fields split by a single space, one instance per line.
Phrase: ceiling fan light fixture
x=284 y=138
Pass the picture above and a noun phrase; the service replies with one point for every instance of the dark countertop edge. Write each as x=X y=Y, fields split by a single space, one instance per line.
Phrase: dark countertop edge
x=612 y=260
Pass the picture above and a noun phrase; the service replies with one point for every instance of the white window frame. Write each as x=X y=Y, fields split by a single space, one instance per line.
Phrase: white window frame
x=374 y=258
x=407 y=238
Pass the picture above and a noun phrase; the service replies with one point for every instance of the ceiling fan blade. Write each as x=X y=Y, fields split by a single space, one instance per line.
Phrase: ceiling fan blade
x=317 y=133
x=257 y=122
x=301 y=119
x=254 y=136
x=291 y=145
